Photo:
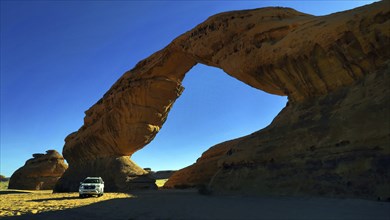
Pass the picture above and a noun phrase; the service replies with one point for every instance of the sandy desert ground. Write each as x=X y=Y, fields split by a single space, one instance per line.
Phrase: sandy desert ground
x=21 y=202
x=182 y=204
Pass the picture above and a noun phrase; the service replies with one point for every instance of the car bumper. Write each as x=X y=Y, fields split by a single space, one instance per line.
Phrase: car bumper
x=89 y=192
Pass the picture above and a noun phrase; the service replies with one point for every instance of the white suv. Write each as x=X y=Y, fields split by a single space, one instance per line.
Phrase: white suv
x=91 y=186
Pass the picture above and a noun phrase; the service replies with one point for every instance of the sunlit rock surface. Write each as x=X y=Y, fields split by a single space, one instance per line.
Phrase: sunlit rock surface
x=333 y=145
x=277 y=50
x=203 y=170
x=39 y=173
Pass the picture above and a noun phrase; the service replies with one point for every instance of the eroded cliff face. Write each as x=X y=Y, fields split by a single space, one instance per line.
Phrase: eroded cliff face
x=39 y=173
x=201 y=172
x=277 y=50
x=333 y=145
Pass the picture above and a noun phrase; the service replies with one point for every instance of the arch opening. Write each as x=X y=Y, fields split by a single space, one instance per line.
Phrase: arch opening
x=214 y=107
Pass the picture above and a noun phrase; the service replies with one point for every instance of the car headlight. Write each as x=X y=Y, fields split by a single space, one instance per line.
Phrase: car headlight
x=81 y=187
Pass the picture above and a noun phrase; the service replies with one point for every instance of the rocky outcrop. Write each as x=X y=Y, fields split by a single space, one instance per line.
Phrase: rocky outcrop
x=39 y=173
x=162 y=174
x=334 y=145
x=118 y=173
x=203 y=170
x=277 y=50
x=3 y=178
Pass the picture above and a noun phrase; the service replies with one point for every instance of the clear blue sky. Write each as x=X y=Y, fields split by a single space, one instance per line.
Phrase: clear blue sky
x=59 y=57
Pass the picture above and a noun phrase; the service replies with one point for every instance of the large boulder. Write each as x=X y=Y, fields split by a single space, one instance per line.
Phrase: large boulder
x=277 y=50
x=39 y=173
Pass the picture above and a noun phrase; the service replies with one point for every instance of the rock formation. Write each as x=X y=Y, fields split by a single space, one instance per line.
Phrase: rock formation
x=277 y=50
x=203 y=170
x=119 y=174
x=39 y=173
x=3 y=178
x=334 y=145
x=162 y=174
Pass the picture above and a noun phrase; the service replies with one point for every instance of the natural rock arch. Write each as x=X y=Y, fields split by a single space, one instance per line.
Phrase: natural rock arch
x=277 y=50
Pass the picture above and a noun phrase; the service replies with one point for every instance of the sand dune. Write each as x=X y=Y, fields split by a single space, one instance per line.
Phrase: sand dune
x=183 y=204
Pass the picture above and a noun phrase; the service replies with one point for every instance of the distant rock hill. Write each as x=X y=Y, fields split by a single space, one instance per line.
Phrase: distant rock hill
x=331 y=139
x=39 y=173
x=3 y=178
x=162 y=174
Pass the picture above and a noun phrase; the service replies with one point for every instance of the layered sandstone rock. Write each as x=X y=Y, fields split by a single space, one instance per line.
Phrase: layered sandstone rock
x=40 y=172
x=203 y=170
x=277 y=50
x=334 y=145
x=118 y=173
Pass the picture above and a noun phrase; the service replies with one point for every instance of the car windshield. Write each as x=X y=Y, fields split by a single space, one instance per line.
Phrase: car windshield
x=91 y=181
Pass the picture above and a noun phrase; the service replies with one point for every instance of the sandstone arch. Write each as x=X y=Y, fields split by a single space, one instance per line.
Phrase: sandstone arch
x=277 y=50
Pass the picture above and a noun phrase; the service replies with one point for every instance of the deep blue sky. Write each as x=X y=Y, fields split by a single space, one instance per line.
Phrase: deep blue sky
x=59 y=57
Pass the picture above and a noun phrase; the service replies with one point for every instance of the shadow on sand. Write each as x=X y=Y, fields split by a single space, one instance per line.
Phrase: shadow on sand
x=190 y=205
x=54 y=199
x=12 y=192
